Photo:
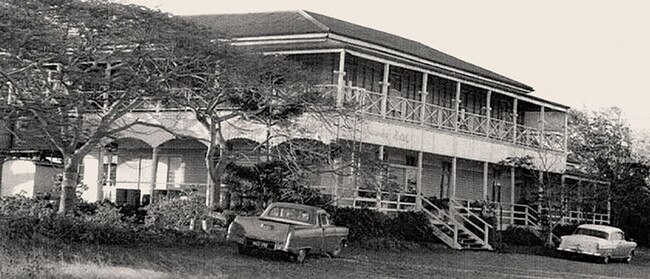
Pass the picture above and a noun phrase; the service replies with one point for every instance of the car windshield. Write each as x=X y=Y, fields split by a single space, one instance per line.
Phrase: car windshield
x=590 y=232
x=288 y=213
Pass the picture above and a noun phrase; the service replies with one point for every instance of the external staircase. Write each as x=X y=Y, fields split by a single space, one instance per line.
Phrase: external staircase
x=459 y=229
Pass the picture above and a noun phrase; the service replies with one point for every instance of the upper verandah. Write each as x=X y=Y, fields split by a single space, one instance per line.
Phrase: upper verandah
x=295 y=23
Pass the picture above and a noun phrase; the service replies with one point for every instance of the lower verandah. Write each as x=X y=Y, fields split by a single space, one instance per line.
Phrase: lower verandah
x=126 y=178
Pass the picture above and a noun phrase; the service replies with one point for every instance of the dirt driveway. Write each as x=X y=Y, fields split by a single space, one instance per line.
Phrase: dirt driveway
x=224 y=262
x=441 y=263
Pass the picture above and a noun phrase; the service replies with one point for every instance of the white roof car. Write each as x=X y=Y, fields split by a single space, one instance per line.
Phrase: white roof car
x=603 y=242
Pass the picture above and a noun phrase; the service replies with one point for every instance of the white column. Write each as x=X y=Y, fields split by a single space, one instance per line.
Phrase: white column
x=418 y=201
x=340 y=80
x=384 y=89
x=154 y=172
x=454 y=166
x=512 y=185
x=378 y=197
x=566 y=130
x=485 y=180
x=457 y=106
x=488 y=113
x=100 y=174
x=514 y=120
x=542 y=127
x=423 y=99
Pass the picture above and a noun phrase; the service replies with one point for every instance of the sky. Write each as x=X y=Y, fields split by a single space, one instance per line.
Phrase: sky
x=588 y=54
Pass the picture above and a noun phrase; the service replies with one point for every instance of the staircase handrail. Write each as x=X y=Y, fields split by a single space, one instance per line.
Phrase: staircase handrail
x=441 y=213
x=486 y=227
x=470 y=213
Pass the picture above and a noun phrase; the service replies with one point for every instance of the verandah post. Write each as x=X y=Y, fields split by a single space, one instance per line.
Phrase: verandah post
x=384 y=90
x=154 y=172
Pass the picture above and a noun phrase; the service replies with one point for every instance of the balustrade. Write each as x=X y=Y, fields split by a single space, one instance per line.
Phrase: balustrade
x=410 y=110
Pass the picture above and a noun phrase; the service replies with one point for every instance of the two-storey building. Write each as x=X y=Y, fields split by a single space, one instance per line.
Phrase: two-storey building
x=442 y=124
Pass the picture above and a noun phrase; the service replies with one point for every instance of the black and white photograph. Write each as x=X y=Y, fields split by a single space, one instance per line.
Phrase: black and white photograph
x=324 y=139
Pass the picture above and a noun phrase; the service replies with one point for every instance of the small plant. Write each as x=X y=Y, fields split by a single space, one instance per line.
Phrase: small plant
x=175 y=213
x=520 y=236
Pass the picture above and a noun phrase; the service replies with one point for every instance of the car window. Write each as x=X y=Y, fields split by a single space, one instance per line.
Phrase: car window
x=324 y=220
x=293 y=214
x=590 y=232
x=618 y=236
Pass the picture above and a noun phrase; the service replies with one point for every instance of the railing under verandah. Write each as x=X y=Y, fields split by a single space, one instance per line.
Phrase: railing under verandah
x=381 y=201
x=525 y=215
x=446 y=118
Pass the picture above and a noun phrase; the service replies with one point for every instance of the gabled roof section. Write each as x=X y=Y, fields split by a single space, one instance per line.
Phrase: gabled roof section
x=305 y=22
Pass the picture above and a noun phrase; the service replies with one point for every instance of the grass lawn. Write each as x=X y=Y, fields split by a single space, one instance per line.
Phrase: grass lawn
x=222 y=261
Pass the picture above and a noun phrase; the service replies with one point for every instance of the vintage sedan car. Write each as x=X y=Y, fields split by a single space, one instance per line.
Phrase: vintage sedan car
x=599 y=241
x=293 y=228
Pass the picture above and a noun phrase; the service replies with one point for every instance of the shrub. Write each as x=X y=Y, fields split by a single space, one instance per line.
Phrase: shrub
x=366 y=225
x=561 y=230
x=175 y=213
x=23 y=206
x=362 y=223
x=520 y=236
x=412 y=226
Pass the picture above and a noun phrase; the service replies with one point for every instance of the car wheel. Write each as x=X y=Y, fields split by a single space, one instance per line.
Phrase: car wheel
x=337 y=251
x=300 y=256
x=605 y=260
x=243 y=250
x=628 y=259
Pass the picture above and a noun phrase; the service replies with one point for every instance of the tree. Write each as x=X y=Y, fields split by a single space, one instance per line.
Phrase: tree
x=263 y=91
x=71 y=70
x=602 y=142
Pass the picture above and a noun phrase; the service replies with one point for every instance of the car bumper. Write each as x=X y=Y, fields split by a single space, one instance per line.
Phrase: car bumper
x=581 y=252
x=259 y=244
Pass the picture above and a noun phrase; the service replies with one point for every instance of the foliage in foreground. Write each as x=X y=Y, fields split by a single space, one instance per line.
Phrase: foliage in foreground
x=365 y=224
x=34 y=220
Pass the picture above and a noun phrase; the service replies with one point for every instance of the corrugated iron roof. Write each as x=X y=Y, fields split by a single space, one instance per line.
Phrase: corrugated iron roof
x=305 y=22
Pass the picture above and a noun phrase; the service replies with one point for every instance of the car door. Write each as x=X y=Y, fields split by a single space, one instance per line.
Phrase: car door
x=626 y=246
x=329 y=233
x=622 y=247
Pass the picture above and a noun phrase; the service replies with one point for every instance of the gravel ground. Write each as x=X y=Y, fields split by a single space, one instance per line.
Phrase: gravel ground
x=225 y=262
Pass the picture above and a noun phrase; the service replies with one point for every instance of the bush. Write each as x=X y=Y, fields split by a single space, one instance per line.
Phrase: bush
x=520 y=236
x=23 y=206
x=73 y=229
x=562 y=230
x=175 y=213
x=368 y=226
x=362 y=223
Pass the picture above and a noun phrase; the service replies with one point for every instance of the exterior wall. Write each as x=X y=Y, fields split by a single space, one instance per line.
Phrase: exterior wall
x=45 y=177
x=18 y=178
x=469 y=180
x=436 y=171
x=499 y=177
x=414 y=137
x=90 y=178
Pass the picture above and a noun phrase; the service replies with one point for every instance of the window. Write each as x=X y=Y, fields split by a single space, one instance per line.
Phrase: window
x=590 y=232
x=618 y=236
x=175 y=171
x=324 y=220
x=293 y=214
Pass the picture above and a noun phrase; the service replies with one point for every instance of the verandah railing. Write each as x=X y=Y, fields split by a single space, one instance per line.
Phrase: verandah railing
x=525 y=215
x=414 y=111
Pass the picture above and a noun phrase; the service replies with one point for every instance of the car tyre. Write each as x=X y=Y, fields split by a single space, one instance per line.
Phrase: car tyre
x=337 y=251
x=605 y=260
x=628 y=259
x=300 y=256
x=243 y=250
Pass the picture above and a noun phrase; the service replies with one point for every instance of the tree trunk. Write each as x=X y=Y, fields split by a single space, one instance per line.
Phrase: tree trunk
x=68 y=189
x=213 y=198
